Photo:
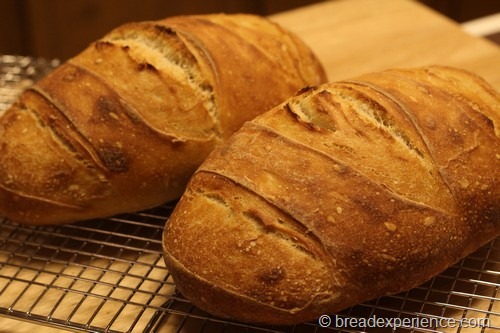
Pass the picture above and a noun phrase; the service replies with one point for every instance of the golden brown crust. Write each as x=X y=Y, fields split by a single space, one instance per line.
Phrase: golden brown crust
x=346 y=192
x=123 y=125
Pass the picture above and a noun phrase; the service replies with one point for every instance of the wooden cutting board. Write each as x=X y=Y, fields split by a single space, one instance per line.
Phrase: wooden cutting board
x=352 y=37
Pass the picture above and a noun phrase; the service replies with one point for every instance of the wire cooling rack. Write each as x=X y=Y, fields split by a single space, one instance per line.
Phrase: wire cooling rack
x=108 y=275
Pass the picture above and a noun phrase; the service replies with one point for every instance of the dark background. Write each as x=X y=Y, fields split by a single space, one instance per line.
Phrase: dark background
x=62 y=28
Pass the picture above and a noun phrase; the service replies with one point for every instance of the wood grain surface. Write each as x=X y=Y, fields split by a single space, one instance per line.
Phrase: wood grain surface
x=352 y=37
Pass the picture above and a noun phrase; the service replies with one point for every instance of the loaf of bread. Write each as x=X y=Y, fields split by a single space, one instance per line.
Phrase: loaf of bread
x=122 y=126
x=343 y=193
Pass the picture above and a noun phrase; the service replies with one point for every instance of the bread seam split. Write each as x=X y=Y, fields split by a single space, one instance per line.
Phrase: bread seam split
x=191 y=71
x=412 y=119
x=384 y=186
x=84 y=143
x=314 y=238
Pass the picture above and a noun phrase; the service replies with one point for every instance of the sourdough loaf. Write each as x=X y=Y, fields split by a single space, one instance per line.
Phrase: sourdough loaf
x=343 y=193
x=123 y=125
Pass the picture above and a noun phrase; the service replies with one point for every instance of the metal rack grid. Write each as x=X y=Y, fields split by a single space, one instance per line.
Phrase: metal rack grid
x=108 y=275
